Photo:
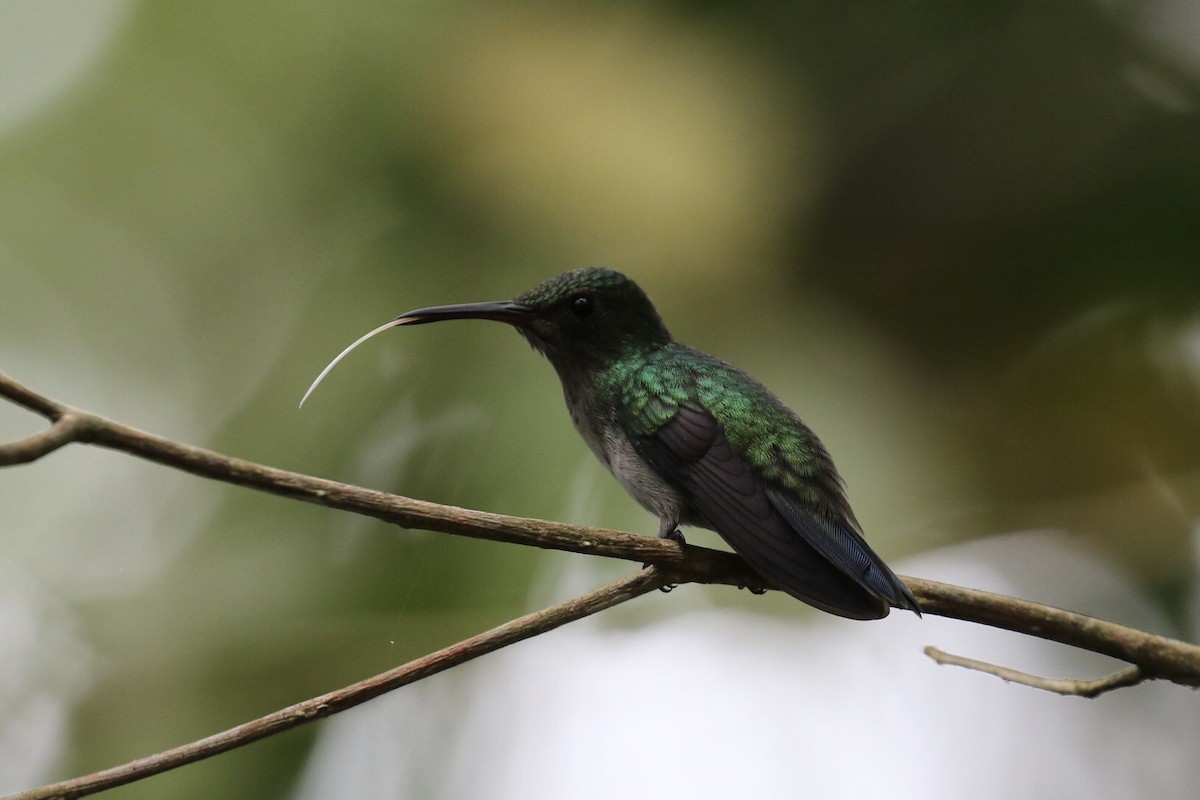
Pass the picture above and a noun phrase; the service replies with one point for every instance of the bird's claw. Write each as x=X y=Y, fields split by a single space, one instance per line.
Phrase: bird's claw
x=666 y=588
x=675 y=536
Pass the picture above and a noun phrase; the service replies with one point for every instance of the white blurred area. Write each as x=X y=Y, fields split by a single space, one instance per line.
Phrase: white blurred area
x=719 y=703
x=47 y=47
x=44 y=669
x=46 y=51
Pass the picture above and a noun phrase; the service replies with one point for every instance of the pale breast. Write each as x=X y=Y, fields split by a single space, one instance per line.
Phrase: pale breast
x=609 y=443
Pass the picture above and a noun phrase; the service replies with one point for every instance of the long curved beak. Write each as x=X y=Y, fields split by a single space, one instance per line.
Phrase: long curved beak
x=501 y=311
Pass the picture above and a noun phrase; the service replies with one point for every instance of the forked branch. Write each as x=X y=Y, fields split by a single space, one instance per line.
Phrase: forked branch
x=1150 y=656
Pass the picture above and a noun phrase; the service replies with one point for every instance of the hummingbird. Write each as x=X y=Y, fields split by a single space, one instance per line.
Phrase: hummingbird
x=693 y=439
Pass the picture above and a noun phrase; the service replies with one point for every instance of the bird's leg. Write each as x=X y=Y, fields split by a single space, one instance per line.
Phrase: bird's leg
x=668 y=528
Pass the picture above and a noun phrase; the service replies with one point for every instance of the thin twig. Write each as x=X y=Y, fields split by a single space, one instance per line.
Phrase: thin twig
x=530 y=625
x=1076 y=687
x=31 y=448
x=36 y=402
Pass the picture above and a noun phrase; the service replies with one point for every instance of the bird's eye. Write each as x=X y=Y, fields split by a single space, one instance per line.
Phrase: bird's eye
x=582 y=305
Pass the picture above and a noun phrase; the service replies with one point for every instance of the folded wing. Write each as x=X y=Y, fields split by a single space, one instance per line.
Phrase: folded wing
x=819 y=559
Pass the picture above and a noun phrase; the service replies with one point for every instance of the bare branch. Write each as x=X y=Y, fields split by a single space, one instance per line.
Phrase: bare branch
x=31 y=448
x=34 y=401
x=1130 y=676
x=1152 y=656
x=530 y=625
x=703 y=565
x=1159 y=657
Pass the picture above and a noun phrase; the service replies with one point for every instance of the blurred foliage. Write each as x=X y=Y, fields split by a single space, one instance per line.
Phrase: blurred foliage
x=961 y=239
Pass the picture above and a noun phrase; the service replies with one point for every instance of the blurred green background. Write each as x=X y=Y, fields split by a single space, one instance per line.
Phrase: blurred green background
x=962 y=240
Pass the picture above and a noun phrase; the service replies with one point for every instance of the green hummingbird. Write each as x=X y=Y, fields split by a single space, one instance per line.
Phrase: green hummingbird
x=693 y=439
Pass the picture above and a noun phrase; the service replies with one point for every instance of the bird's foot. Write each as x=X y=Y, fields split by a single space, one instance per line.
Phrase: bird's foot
x=754 y=589
x=676 y=536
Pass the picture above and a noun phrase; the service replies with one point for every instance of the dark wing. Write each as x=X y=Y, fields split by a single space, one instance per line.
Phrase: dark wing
x=839 y=541
x=822 y=562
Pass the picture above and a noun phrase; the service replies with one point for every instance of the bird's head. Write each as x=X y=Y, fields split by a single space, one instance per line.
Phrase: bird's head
x=589 y=317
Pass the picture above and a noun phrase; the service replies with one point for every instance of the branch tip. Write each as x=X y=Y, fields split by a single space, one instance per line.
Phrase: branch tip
x=1130 y=676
